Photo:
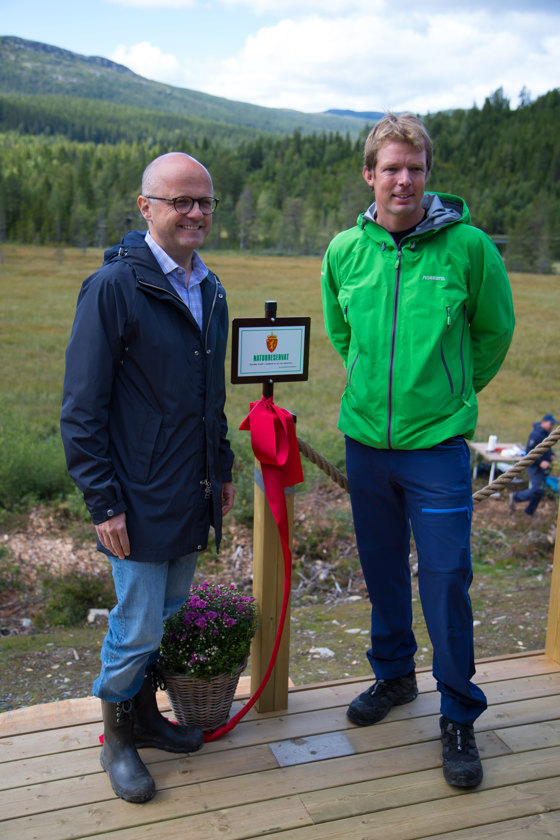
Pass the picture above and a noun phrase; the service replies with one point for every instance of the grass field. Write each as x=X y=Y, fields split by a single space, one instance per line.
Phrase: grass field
x=39 y=287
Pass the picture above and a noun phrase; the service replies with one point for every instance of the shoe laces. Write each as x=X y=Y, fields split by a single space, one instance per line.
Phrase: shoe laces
x=460 y=737
x=125 y=709
x=377 y=686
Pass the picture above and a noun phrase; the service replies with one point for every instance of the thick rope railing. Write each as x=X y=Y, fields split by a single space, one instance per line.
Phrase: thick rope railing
x=506 y=478
x=498 y=484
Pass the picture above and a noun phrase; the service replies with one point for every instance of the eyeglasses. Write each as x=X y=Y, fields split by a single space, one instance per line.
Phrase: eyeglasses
x=184 y=203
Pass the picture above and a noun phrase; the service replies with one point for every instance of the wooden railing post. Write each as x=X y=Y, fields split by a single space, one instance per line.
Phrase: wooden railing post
x=268 y=589
x=553 y=627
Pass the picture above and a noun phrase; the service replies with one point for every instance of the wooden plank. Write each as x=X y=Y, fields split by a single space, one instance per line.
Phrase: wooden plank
x=80 y=804
x=269 y=780
x=519 y=738
x=553 y=625
x=537 y=827
x=490 y=670
x=49 y=716
x=268 y=589
x=214 y=783
x=186 y=805
x=153 y=818
x=82 y=786
x=277 y=728
x=83 y=710
x=474 y=808
x=413 y=788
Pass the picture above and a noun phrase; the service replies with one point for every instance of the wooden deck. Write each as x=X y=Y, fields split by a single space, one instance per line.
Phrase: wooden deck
x=303 y=774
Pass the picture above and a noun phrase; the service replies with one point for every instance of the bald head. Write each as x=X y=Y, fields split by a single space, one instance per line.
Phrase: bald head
x=166 y=178
x=166 y=167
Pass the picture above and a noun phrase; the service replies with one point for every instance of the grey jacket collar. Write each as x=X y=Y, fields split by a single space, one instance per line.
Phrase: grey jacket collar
x=438 y=213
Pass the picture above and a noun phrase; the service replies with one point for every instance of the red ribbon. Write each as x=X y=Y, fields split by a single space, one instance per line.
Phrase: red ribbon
x=274 y=442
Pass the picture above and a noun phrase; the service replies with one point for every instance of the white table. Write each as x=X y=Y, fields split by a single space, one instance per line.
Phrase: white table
x=481 y=450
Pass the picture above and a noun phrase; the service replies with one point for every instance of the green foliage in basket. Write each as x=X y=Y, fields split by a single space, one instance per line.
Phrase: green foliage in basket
x=212 y=632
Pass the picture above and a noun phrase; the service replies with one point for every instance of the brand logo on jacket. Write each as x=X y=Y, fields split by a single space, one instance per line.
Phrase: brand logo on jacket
x=432 y=277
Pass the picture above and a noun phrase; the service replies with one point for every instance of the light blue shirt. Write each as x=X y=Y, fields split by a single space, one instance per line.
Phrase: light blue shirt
x=190 y=294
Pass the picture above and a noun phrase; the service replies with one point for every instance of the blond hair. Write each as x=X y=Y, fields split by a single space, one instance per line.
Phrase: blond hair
x=404 y=128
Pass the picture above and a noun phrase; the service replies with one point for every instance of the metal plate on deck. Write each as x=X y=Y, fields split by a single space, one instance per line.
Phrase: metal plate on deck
x=313 y=748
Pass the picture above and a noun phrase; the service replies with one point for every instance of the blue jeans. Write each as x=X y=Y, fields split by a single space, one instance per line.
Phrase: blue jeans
x=430 y=490
x=147 y=594
x=535 y=491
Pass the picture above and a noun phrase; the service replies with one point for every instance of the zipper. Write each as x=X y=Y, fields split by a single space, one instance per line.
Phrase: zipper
x=393 y=343
x=207 y=484
x=352 y=369
x=465 y=400
x=461 y=356
x=159 y=289
x=210 y=315
x=170 y=294
x=442 y=354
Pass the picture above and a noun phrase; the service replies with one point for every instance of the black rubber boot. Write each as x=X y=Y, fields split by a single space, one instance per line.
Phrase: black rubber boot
x=152 y=729
x=127 y=772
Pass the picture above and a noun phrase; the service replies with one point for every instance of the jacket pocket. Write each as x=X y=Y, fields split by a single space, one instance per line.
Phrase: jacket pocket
x=451 y=350
x=351 y=369
x=147 y=434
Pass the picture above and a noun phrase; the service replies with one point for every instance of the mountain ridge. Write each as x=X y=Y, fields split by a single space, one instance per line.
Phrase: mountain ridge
x=33 y=67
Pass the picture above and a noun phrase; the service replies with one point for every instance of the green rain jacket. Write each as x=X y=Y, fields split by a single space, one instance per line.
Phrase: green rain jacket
x=421 y=327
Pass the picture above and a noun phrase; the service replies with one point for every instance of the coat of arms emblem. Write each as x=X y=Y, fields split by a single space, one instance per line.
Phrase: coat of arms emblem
x=271 y=342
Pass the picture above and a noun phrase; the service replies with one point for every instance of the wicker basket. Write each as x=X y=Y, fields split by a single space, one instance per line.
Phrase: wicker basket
x=204 y=703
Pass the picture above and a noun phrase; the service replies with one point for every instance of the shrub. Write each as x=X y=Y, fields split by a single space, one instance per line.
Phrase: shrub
x=32 y=464
x=10 y=573
x=69 y=597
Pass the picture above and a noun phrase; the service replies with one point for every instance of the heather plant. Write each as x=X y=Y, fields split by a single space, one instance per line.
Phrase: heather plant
x=212 y=632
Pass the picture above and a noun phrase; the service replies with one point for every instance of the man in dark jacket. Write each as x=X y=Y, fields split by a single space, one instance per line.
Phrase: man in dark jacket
x=538 y=470
x=144 y=433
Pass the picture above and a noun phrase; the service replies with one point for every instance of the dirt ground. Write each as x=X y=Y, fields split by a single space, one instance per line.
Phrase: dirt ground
x=512 y=559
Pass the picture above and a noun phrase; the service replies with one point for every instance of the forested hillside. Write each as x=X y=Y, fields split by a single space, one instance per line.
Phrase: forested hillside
x=30 y=67
x=71 y=171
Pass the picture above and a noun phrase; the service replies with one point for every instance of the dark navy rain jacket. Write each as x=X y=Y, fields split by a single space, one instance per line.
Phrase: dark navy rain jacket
x=143 y=421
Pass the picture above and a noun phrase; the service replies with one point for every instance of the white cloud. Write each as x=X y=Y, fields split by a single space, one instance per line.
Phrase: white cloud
x=152 y=63
x=371 y=61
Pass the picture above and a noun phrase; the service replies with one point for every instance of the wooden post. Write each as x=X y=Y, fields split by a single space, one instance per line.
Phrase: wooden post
x=553 y=626
x=268 y=589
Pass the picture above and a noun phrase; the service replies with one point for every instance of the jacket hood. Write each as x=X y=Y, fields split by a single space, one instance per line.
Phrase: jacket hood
x=441 y=209
x=132 y=239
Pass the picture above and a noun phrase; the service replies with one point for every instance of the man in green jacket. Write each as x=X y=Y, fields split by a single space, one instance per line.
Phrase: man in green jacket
x=418 y=304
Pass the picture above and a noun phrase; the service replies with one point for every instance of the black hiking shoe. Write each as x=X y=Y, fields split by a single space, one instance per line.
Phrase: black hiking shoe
x=461 y=761
x=372 y=705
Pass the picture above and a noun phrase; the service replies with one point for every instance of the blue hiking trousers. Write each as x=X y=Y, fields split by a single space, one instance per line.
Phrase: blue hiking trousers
x=428 y=490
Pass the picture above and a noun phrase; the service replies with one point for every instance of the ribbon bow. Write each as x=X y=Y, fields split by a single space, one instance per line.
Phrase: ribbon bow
x=274 y=442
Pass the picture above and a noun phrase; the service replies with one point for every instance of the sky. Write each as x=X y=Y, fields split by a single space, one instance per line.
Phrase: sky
x=312 y=55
